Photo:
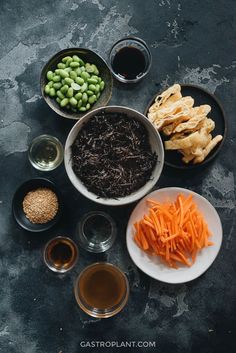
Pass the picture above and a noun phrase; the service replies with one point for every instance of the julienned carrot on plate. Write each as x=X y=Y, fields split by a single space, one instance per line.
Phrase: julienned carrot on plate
x=175 y=231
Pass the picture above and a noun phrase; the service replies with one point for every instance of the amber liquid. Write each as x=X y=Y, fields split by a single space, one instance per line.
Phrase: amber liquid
x=102 y=286
x=129 y=62
x=61 y=253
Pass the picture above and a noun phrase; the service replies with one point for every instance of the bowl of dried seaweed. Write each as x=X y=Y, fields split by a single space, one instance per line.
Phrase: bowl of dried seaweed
x=114 y=155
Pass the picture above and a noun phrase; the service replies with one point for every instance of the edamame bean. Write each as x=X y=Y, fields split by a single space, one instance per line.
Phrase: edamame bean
x=79 y=80
x=82 y=109
x=64 y=60
x=98 y=95
x=76 y=58
x=92 y=88
x=57 y=71
x=73 y=101
x=102 y=85
x=96 y=72
x=64 y=102
x=50 y=75
x=52 y=92
x=79 y=103
x=68 y=62
x=58 y=100
x=68 y=69
x=78 y=96
x=68 y=81
x=97 y=88
x=70 y=92
x=89 y=68
x=50 y=84
x=88 y=106
x=73 y=75
x=92 y=99
x=57 y=85
x=85 y=75
x=84 y=97
x=63 y=73
x=60 y=95
x=74 y=64
x=95 y=77
x=92 y=80
x=64 y=89
x=78 y=70
x=47 y=89
x=75 y=86
x=82 y=68
x=84 y=87
x=89 y=93
x=56 y=78
x=81 y=62
x=61 y=66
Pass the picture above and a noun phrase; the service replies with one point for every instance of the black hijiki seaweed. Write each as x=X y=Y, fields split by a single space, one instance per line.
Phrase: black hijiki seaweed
x=112 y=155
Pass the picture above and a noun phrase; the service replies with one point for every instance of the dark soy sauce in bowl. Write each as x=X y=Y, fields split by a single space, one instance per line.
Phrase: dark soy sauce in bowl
x=129 y=62
x=130 y=59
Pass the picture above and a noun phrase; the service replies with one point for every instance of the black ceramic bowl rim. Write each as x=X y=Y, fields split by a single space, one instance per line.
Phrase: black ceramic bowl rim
x=218 y=147
x=54 y=105
x=18 y=198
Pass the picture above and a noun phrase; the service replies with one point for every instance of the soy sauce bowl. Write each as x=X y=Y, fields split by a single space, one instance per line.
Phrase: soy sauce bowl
x=17 y=204
x=132 y=45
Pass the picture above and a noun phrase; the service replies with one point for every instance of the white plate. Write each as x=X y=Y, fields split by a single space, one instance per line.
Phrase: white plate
x=151 y=265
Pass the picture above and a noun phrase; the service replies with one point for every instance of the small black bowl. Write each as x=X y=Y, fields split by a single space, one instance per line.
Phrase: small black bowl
x=17 y=204
x=88 y=56
x=200 y=96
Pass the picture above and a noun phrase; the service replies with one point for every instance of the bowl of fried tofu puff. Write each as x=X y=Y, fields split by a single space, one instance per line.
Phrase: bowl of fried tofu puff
x=191 y=122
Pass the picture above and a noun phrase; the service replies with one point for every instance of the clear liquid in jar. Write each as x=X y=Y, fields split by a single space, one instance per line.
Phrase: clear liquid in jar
x=46 y=154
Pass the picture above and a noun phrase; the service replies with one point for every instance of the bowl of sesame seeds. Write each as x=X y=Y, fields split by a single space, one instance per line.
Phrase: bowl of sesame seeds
x=37 y=205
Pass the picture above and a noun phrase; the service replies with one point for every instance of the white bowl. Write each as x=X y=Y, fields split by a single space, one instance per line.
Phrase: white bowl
x=151 y=265
x=156 y=145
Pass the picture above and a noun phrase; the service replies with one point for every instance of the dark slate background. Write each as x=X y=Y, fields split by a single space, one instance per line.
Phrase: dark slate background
x=191 y=41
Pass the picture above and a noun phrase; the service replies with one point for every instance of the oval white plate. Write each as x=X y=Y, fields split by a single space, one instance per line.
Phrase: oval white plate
x=151 y=265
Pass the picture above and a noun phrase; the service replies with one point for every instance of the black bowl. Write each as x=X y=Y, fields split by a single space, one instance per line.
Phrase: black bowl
x=200 y=96
x=17 y=204
x=88 y=56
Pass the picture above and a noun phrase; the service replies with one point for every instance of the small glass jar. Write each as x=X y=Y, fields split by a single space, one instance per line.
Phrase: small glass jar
x=130 y=59
x=45 y=153
x=101 y=290
x=96 y=231
x=60 y=254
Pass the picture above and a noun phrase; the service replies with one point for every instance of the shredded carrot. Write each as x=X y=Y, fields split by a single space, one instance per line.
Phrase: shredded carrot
x=175 y=232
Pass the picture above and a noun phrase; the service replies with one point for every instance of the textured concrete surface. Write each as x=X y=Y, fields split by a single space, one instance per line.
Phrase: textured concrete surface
x=191 y=41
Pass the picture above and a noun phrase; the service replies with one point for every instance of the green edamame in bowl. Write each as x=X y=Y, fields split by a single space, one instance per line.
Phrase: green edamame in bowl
x=75 y=81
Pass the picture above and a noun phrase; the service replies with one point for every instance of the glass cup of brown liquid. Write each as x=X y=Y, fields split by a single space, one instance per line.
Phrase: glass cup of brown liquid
x=101 y=290
x=130 y=59
x=60 y=254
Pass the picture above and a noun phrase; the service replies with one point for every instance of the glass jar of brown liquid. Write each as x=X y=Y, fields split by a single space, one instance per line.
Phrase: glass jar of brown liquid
x=60 y=254
x=101 y=290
